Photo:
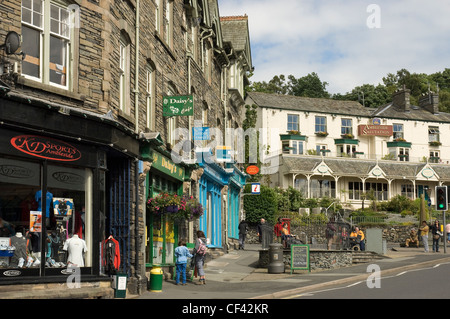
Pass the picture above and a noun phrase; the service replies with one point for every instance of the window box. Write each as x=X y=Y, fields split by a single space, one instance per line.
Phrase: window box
x=435 y=143
x=348 y=136
x=321 y=134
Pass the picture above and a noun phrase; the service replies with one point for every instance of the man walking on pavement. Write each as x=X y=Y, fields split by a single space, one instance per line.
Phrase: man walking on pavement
x=243 y=228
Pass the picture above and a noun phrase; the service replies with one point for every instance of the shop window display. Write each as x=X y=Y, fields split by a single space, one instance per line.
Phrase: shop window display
x=67 y=215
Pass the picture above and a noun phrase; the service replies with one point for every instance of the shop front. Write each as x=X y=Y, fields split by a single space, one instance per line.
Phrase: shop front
x=59 y=196
x=210 y=188
x=236 y=184
x=165 y=178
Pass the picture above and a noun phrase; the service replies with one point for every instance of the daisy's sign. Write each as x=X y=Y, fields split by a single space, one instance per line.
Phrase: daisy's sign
x=178 y=105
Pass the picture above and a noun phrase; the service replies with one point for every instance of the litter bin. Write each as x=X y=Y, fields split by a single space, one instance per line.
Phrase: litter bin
x=156 y=280
x=120 y=285
x=276 y=264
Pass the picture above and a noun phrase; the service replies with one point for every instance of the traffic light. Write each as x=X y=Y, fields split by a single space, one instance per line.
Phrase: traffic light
x=441 y=198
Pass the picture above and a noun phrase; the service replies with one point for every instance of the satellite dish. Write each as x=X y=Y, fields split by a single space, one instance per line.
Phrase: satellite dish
x=12 y=43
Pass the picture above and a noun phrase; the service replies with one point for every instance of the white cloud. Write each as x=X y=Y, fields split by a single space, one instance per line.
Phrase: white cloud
x=331 y=38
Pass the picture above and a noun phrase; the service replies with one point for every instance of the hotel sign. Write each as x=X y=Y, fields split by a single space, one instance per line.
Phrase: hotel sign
x=375 y=130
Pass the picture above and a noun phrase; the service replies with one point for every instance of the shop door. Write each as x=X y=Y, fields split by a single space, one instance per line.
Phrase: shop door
x=118 y=223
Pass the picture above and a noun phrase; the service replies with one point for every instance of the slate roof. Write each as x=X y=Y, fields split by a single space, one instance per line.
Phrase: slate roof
x=235 y=34
x=415 y=113
x=321 y=105
x=361 y=168
x=351 y=108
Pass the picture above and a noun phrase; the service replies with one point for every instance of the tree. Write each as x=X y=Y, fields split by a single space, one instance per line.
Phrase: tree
x=307 y=86
x=368 y=95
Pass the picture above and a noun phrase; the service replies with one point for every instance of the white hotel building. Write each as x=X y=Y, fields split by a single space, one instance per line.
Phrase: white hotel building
x=341 y=149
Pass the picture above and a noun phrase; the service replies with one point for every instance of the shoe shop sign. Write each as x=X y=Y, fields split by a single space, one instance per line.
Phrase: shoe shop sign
x=178 y=105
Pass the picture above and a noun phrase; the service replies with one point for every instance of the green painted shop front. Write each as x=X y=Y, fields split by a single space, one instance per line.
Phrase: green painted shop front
x=161 y=233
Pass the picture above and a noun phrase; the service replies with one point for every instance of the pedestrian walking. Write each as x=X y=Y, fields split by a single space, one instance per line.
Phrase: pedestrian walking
x=447 y=230
x=243 y=228
x=200 y=250
x=259 y=229
x=182 y=253
x=278 y=230
x=424 y=229
x=329 y=233
x=436 y=231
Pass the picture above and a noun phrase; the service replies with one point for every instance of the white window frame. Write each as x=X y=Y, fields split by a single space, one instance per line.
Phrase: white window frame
x=290 y=122
x=46 y=33
x=149 y=97
x=124 y=75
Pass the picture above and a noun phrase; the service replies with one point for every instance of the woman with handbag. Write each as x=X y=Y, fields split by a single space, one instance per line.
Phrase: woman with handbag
x=436 y=230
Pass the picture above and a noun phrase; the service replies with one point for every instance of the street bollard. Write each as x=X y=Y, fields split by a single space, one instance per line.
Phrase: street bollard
x=276 y=264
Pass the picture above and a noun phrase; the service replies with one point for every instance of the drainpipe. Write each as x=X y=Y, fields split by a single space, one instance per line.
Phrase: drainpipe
x=136 y=110
x=136 y=71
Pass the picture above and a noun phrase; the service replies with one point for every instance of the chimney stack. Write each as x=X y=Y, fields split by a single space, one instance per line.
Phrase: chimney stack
x=402 y=99
x=430 y=102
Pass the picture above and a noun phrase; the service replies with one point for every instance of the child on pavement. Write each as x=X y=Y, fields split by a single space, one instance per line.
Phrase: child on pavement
x=181 y=254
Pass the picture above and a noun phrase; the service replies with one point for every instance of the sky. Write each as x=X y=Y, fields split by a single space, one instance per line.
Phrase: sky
x=348 y=43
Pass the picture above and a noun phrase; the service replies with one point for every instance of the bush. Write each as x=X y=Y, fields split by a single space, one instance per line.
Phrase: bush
x=399 y=203
x=260 y=206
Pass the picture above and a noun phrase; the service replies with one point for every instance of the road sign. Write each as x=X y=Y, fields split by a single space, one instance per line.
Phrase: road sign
x=256 y=188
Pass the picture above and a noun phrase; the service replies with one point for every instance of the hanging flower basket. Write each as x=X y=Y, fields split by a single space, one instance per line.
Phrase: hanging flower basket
x=164 y=203
x=189 y=209
x=175 y=207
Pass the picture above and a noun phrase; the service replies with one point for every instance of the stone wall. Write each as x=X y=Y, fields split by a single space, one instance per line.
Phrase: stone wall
x=319 y=259
x=393 y=234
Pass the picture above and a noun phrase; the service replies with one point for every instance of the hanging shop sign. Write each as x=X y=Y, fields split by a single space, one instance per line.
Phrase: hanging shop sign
x=46 y=148
x=178 y=105
x=375 y=130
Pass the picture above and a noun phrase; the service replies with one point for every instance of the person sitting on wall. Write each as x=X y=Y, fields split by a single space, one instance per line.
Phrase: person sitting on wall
x=413 y=238
x=286 y=236
x=357 y=239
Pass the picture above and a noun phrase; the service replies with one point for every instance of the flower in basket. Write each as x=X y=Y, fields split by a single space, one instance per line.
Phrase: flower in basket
x=322 y=134
x=194 y=208
x=163 y=202
x=189 y=209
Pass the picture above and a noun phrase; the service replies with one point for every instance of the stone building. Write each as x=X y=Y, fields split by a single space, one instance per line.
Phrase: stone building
x=84 y=119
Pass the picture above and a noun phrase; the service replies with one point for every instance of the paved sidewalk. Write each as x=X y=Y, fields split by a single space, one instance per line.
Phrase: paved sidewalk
x=235 y=276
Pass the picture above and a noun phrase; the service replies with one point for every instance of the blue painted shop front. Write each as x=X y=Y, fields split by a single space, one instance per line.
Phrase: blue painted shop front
x=211 y=184
x=213 y=180
x=235 y=186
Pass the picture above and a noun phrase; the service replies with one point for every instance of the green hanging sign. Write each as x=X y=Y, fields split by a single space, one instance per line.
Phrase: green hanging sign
x=178 y=105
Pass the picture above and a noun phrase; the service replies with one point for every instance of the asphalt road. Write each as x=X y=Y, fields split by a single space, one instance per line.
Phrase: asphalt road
x=423 y=283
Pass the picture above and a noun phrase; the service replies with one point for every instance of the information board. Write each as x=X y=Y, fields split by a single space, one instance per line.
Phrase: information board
x=299 y=257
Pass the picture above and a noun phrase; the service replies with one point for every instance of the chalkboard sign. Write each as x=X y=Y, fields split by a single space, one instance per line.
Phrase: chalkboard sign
x=299 y=257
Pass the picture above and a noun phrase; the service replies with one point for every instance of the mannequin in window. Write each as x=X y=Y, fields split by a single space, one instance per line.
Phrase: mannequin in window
x=20 y=253
x=76 y=247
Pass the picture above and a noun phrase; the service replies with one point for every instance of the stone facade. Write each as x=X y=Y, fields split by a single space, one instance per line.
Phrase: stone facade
x=123 y=58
